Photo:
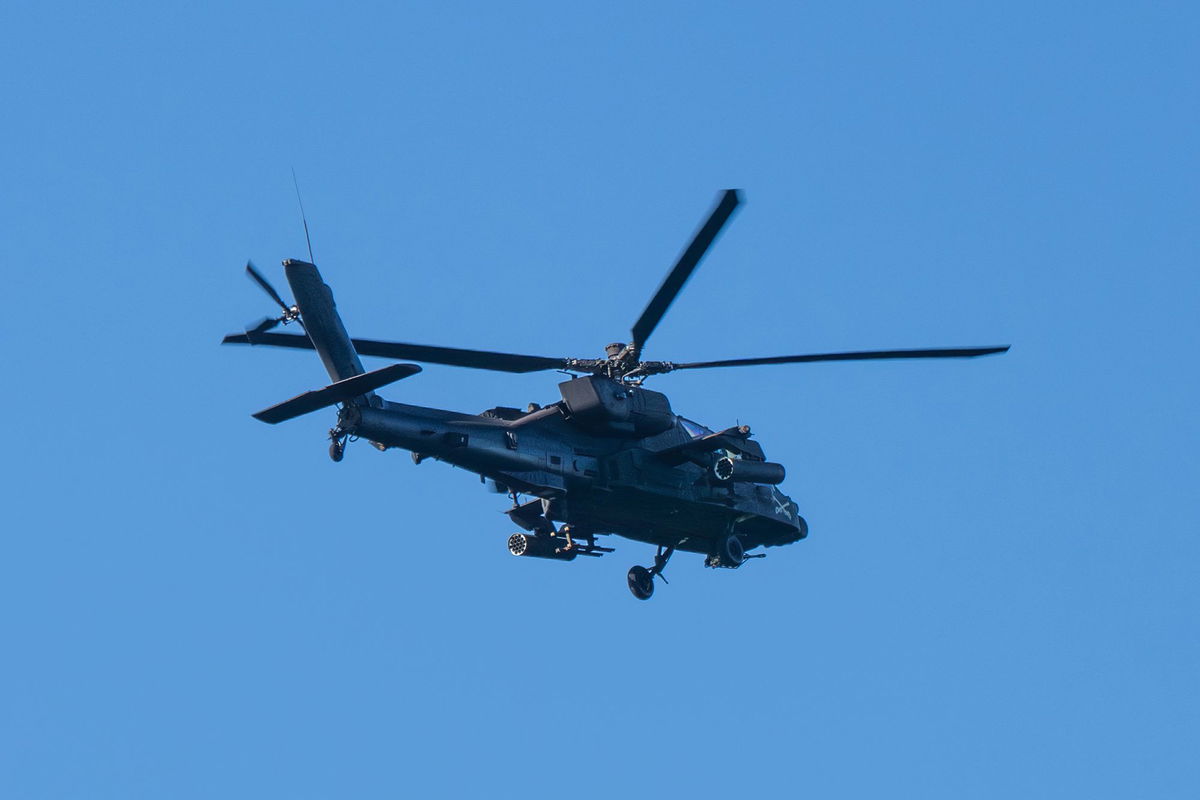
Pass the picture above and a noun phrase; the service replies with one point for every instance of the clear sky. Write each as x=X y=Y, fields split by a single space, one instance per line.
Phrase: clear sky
x=998 y=595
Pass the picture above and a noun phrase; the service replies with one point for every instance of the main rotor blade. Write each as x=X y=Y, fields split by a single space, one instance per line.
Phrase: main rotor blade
x=865 y=355
x=257 y=277
x=683 y=268
x=452 y=356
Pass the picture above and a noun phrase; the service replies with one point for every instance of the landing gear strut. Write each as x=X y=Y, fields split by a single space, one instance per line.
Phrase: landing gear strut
x=641 y=579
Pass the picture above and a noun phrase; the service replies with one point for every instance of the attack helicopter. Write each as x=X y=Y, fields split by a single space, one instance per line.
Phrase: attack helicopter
x=610 y=457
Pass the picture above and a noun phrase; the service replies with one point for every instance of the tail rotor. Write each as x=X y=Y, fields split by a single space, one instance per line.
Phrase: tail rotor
x=290 y=313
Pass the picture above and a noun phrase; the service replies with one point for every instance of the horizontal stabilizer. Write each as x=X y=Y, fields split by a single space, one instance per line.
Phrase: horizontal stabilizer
x=335 y=393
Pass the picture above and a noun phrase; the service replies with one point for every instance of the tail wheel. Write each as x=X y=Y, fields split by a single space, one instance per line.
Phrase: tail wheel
x=641 y=582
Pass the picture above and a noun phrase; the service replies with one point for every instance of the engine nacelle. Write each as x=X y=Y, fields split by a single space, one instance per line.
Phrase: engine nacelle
x=610 y=407
x=529 y=544
x=736 y=470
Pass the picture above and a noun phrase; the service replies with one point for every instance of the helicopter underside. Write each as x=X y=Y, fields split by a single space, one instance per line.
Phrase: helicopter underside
x=688 y=525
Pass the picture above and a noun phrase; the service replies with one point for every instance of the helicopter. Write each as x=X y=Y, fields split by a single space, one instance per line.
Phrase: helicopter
x=610 y=457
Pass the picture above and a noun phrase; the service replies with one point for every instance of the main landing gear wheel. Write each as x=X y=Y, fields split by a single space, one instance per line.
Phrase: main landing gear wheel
x=641 y=579
x=337 y=450
x=641 y=582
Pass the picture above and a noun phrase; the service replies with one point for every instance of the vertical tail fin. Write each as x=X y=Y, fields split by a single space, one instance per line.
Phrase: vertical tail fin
x=321 y=320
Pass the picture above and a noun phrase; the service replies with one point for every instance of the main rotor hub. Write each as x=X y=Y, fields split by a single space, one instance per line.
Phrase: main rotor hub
x=615 y=349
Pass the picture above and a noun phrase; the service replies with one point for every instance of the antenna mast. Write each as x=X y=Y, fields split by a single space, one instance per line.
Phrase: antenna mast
x=303 y=218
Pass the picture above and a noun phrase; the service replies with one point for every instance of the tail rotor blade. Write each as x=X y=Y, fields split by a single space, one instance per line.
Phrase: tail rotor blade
x=262 y=326
x=265 y=285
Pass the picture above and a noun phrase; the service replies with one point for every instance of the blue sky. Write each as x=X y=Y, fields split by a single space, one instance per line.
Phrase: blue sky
x=998 y=594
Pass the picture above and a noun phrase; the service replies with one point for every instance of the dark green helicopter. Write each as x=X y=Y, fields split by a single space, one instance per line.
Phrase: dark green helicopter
x=610 y=457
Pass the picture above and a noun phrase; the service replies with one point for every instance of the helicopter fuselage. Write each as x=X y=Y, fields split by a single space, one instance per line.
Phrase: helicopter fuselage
x=608 y=458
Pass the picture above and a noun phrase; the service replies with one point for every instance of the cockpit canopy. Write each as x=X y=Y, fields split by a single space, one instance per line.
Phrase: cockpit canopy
x=695 y=429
